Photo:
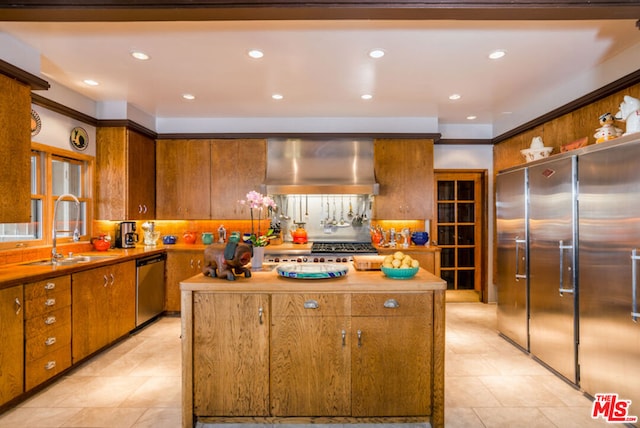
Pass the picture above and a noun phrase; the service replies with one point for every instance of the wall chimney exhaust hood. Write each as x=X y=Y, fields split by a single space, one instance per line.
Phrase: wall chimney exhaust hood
x=320 y=166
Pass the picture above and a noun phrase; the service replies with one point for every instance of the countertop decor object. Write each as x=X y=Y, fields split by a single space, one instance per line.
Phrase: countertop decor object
x=169 y=239
x=312 y=270
x=420 y=238
x=399 y=273
x=259 y=202
x=536 y=151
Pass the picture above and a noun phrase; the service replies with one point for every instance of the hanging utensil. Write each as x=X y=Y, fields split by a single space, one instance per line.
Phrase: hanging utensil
x=342 y=222
x=350 y=213
x=306 y=208
x=300 y=208
x=333 y=220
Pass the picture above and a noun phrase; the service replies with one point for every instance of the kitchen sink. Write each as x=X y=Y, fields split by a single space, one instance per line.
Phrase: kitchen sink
x=68 y=260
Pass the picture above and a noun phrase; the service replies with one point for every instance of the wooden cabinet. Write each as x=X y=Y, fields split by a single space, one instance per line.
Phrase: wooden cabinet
x=404 y=169
x=233 y=364
x=103 y=308
x=15 y=151
x=238 y=166
x=125 y=175
x=47 y=329
x=183 y=179
x=180 y=265
x=12 y=339
x=310 y=355
x=391 y=355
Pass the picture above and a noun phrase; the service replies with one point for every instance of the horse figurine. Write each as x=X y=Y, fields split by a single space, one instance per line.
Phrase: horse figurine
x=630 y=113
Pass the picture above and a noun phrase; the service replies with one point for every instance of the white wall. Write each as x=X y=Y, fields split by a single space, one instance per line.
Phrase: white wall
x=473 y=157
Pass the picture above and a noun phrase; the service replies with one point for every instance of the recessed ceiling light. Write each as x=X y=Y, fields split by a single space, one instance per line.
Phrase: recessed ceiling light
x=277 y=96
x=497 y=54
x=376 y=53
x=90 y=82
x=472 y=117
x=255 y=53
x=455 y=96
x=189 y=97
x=140 y=55
x=366 y=96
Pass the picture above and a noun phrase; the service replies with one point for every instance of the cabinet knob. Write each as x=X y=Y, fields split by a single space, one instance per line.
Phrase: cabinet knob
x=311 y=304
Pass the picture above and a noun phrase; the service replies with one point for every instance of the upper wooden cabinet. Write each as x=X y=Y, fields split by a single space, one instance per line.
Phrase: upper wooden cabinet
x=203 y=179
x=237 y=167
x=15 y=151
x=183 y=179
x=404 y=169
x=125 y=171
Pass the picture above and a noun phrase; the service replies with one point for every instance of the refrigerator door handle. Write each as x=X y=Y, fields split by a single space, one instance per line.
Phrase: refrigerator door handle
x=634 y=283
x=518 y=274
x=563 y=290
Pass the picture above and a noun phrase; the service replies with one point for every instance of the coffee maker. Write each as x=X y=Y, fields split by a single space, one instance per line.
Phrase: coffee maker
x=126 y=236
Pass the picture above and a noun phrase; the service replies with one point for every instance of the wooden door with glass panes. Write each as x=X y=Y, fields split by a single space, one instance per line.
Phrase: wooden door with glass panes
x=458 y=228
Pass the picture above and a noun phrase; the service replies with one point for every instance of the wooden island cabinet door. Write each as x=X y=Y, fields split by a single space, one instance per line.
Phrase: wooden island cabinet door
x=231 y=354
x=310 y=355
x=391 y=354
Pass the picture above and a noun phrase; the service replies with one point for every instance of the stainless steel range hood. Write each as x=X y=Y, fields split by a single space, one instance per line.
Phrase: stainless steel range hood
x=320 y=166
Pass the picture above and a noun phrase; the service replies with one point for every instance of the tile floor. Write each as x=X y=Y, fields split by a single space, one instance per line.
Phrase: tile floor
x=135 y=384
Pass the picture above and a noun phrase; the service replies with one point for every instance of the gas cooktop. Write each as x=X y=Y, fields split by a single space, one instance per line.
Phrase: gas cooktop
x=343 y=247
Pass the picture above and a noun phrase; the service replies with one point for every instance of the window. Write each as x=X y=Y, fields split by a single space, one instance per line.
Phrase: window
x=54 y=173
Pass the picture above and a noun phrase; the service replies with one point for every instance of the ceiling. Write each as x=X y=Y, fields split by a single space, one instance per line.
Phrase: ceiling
x=322 y=67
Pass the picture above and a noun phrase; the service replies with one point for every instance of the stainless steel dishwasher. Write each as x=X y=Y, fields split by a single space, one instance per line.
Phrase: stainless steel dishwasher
x=149 y=288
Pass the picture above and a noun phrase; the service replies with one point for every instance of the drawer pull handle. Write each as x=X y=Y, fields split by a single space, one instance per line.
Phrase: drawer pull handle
x=18 y=306
x=50 y=286
x=50 y=365
x=50 y=341
x=50 y=320
x=359 y=338
x=260 y=313
x=50 y=302
x=391 y=304
x=344 y=338
x=113 y=279
x=106 y=280
x=311 y=304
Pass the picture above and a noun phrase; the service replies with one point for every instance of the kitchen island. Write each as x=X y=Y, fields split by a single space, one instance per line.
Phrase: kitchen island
x=353 y=349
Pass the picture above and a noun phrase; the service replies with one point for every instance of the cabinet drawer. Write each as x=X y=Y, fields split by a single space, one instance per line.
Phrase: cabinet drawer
x=44 y=368
x=392 y=304
x=309 y=304
x=47 y=322
x=45 y=304
x=38 y=346
x=47 y=287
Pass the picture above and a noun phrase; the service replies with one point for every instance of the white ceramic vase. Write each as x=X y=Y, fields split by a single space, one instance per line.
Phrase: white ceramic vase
x=258 y=257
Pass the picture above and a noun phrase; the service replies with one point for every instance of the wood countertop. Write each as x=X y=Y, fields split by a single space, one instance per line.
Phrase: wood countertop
x=268 y=280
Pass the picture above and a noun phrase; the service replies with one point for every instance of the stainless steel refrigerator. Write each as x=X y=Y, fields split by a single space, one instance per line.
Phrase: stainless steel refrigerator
x=511 y=278
x=609 y=226
x=552 y=222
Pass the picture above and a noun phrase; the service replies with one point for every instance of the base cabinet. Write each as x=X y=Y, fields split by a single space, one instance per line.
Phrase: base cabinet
x=12 y=339
x=47 y=329
x=235 y=360
x=103 y=302
x=344 y=355
x=180 y=266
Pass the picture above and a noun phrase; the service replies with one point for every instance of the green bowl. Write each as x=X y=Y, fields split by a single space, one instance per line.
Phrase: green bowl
x=399 y=273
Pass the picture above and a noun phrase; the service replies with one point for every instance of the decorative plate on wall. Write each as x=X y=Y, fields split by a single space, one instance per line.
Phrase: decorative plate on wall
x=36 y=123
x=79 y=138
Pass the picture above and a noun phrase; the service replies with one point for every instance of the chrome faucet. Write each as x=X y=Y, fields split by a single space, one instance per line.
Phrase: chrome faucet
x=76 y=233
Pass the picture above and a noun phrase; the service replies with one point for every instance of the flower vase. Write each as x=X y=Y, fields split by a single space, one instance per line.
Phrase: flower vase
x=257 y=258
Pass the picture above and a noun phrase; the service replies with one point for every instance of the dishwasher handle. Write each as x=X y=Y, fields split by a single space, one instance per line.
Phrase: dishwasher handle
x=150 y=260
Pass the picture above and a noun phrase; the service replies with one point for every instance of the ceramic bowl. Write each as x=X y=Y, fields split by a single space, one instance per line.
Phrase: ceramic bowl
x=169 y=239
x=399 y=273
x=420 y=238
